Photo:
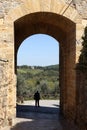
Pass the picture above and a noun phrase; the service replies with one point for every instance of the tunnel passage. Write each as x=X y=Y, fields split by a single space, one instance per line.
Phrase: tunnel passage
x=64 y=31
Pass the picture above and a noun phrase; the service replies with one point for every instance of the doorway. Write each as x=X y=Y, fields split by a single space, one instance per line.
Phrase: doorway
x=61 y=29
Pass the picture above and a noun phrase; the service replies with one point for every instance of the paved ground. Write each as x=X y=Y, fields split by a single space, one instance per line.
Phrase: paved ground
x=45 y=117
x=45 y=103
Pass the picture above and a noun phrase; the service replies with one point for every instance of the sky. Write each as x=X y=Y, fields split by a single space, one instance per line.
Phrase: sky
x=38 y=50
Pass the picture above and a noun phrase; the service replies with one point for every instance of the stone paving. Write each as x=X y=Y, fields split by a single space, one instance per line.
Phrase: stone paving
x=45 y=117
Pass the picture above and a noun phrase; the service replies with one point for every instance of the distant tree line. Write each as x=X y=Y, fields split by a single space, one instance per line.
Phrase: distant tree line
x=44 y=79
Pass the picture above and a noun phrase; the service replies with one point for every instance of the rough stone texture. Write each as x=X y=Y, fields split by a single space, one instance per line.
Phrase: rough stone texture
x=53 y=17
x=6 y=5
x=7 y=91
x=80 y=5
x=81 y=100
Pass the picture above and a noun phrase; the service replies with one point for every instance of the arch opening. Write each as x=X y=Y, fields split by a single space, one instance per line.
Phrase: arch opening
x=38 y=68
x=61 y=29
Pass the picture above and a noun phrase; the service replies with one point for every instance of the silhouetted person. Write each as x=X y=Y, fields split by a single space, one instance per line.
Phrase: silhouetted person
x=37 y=98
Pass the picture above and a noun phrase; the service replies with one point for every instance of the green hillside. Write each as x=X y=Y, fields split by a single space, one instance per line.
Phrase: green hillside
x=44 y=79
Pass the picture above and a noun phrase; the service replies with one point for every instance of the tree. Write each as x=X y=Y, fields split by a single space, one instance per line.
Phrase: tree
x=82 y=65
x=20 y=88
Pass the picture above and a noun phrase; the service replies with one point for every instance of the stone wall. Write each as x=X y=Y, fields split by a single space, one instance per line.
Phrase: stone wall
x=81 y=118
x=3 y=94
x=10 y=11
x=7 y=75
x=6 y=5
x=7 y=86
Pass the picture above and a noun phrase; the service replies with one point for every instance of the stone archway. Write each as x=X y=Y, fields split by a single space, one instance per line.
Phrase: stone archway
x=52 y=17
x=61 y=29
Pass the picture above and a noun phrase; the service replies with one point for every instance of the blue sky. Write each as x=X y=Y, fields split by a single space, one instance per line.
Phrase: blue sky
x=38 y=50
